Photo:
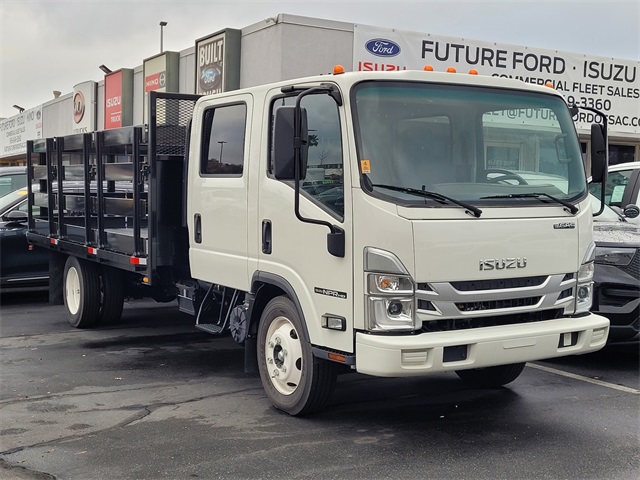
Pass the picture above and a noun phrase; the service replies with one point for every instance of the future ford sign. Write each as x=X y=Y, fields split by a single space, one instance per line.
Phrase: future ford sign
x=381 y=47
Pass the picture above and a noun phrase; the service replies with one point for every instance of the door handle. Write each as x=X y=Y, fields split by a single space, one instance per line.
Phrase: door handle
x=266 y=236
x=197 y=228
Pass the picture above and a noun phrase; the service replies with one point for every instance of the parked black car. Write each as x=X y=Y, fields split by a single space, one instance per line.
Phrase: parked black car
x=617 y=273
x=22 y=266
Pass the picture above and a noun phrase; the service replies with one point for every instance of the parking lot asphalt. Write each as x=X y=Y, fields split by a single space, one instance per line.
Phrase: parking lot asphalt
x=152 y=398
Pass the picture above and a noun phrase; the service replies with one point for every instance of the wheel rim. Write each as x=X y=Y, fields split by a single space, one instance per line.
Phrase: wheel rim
x=72 y=291
x=283 y=354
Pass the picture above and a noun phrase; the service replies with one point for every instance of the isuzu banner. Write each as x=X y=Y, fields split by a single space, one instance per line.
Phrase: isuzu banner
x=218 y=62
x=15 y=131
x=118 y=99
x=84 y=107
x=161 y=73
x=607 y=84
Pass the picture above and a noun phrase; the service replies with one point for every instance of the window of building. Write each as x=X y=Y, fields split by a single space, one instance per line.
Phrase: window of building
x=621 y=154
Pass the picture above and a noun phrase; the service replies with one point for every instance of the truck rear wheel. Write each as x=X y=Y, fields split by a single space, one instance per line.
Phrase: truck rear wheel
x=81 y=292
x=112 y=298
x=293 y=379
x=491 y=377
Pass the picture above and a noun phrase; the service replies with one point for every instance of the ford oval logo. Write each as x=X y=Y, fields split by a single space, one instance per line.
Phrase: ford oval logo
x=210 y=78
x=381 y=47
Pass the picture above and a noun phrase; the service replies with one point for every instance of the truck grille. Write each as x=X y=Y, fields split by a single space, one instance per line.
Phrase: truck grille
x=498 y=304
x=499 y=284
x=480 y=303
x=482 y=322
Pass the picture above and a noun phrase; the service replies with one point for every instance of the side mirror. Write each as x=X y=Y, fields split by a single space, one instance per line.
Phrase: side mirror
x=598 y=154
x=631 y=211
x=15 y=216
x=283 y=144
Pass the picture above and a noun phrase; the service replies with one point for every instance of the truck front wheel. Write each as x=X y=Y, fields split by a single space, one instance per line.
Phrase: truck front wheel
x=293 y=379
x=491 y=377
x=81 y=292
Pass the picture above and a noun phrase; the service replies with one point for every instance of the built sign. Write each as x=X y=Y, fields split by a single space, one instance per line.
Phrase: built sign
x=218 y=62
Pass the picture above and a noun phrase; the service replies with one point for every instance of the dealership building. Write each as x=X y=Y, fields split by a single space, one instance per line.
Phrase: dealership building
x=289 y=46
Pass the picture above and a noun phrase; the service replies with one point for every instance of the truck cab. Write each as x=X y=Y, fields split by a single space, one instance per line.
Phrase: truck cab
x=460 y=206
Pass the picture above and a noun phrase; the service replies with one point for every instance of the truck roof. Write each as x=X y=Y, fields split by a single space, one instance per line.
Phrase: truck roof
x=349 y=78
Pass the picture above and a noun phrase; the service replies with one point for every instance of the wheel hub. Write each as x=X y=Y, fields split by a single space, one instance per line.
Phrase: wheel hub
x=284 y=356
x=72 y=291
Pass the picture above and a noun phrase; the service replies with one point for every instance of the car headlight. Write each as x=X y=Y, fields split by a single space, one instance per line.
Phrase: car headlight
x=584 y=288
x=618 y=256
x=390 y=293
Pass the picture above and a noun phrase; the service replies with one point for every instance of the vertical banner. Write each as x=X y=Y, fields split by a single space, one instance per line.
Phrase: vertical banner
x=84 y=107
x=118 y=99
x=161 y=73
x=218 y=62
x=607 y=84
x=15 y=131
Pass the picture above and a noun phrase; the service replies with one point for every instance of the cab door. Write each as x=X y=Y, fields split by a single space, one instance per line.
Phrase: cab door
x=296 y=251
x=217 y=201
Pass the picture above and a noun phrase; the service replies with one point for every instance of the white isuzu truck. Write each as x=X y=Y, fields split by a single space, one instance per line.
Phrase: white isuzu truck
x=391 y=223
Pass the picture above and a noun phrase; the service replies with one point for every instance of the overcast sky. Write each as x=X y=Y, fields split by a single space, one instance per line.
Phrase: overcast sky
x=48 y=45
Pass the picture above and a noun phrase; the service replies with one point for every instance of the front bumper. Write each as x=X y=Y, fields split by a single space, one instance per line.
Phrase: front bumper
x=415 y=355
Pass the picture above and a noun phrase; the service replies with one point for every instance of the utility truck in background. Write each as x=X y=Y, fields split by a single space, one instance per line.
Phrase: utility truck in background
x=388 y=223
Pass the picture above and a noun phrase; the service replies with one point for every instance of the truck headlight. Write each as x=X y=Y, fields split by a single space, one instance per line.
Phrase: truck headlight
x=390 y=294
x=584 y=288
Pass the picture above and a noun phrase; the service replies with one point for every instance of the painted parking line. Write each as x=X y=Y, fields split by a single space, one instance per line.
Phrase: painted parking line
x=582 y=378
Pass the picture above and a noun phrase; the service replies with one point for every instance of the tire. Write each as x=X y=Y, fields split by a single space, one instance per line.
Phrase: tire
x=81 y=292
x=112 y=298
x=294 y=380
x=491 y=377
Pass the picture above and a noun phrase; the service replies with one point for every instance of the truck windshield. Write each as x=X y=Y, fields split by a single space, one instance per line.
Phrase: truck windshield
x=481 y=146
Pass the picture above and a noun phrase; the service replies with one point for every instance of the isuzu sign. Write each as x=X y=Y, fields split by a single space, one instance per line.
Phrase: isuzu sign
x=503 y=263
x=118 y=99
x=381 y=47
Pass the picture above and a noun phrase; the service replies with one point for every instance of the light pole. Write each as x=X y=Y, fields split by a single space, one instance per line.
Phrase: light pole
x=162 y=25
x=221 y=142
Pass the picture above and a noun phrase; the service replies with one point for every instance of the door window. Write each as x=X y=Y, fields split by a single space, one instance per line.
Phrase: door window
x=323 y=181
x=223 y=145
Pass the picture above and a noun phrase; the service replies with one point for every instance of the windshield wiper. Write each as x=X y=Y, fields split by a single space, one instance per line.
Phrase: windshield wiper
x=568 y=206
x=438 y=197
